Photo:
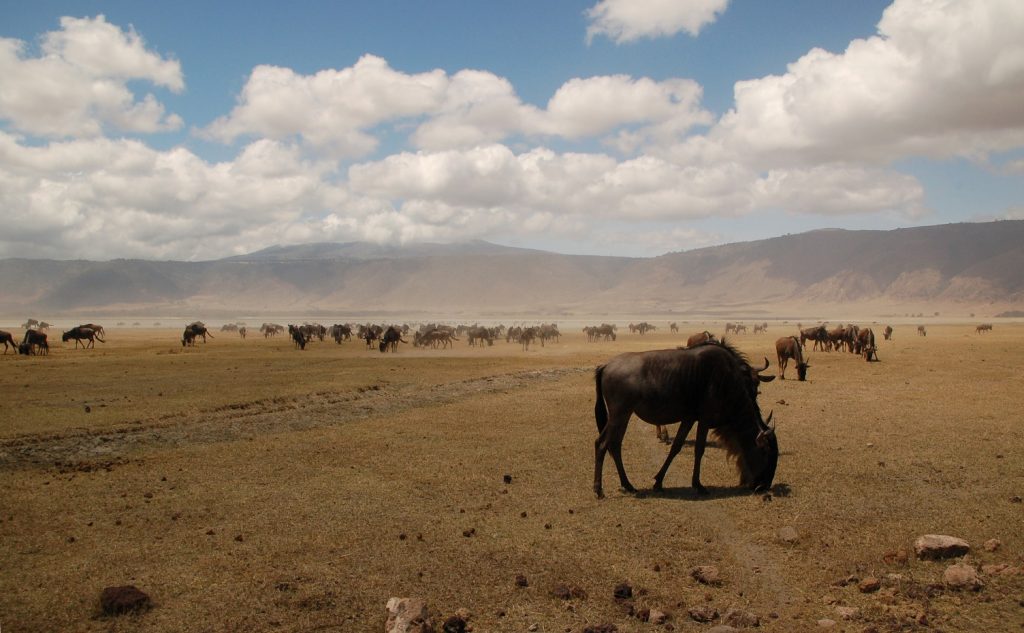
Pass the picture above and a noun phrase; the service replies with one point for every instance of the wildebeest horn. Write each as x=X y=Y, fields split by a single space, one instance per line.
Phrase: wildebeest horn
x=766 y=363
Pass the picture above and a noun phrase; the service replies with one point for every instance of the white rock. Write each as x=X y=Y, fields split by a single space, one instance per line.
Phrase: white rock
x=936 y=546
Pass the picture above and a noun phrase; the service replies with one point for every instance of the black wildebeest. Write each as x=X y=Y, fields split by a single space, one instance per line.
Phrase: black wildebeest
x=390 y=339
x=711 y=384
x=34 y=343
x=789 y=347
x=8 y=339
x=81 y=333
x=193 y=331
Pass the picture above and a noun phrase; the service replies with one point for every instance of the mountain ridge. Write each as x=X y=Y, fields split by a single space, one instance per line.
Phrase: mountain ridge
x=967 y=266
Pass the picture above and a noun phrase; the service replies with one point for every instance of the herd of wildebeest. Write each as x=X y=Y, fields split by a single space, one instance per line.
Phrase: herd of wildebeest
x=707 y=382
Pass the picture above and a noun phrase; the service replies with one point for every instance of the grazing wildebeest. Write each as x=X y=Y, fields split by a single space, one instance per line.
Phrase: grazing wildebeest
x=789 y=347
x=984 y=327
x=34 y=342
x=97 y=328
x=479 y=334
x=390 y=339
x=700 y=338
x=887 y=333
x=711 y=384
x=81 y=333
x=242 y=332
x=193 y=331
x=921 y=331
x=527 y=336
x=673 y=328
x=299 y=338
x=341 y=332
x=866 y=344
x=8 y=339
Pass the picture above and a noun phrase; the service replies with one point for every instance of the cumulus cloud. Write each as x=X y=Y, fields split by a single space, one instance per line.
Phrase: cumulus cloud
x=77 y=86
x=332 y=109
x=942 y=78
x=625 y=21
x=839 y=190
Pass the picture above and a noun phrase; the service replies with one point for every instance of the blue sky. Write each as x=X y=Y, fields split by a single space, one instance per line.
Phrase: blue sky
x=203 y=130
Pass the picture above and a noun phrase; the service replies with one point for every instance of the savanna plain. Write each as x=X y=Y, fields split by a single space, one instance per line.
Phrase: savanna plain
x=249 y=486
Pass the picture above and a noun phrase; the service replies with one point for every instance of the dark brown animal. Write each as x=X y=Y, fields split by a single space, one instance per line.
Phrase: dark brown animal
x=786 y=348
x=34 y=343
x=193 y=331
x=887 y=333
x=711 y=384
x=818 y=334
x=81 y=333
x=922 y=331
x=390 y=339
x=984 y=327
x=8 y=339
x=866 y=344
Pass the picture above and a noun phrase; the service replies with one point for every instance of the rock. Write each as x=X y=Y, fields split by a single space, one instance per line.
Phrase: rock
x=938 y=546
x=623 y=591
x=826 y=623
x=407 y=615
x=962 y=576
x=125 y=599
x=706 y=575
x=601 y=628
x=895 y=557
x=565 y=592
x=703 y=613
x=454 y=624
x=992 y=570
x=507 y=479
x=657 y=617
x=848 y=613
x=992 y=544
x=788 y=534
x=741 y=619
x=521 y=581
x=869 y=585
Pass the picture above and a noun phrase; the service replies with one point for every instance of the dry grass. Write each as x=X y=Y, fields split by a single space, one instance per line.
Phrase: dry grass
x=248 y=486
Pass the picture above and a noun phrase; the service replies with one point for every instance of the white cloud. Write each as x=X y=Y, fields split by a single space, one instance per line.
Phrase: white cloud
x=837 y=190
x=942 y=78
x=625 y=21
x=78 y=85
x=331 y=110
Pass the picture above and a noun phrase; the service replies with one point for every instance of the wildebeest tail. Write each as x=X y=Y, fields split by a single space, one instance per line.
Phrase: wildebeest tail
x=600 y=410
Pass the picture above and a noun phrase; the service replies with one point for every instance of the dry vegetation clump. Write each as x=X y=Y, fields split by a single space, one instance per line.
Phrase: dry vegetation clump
x=249 y=486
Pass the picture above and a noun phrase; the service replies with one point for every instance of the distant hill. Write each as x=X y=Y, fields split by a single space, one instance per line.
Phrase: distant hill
x=963 y=267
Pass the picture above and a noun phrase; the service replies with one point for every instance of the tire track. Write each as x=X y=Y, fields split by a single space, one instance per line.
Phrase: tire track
x=88 y=449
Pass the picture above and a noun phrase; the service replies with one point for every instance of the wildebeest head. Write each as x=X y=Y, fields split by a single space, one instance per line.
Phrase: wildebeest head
x=801 y=370
x=759 y=469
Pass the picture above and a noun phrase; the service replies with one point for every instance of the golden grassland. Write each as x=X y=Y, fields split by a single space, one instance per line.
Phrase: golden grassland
x=249 y=486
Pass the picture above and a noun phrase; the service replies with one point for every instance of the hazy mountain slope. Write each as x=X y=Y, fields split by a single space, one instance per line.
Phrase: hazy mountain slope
x=977 y=264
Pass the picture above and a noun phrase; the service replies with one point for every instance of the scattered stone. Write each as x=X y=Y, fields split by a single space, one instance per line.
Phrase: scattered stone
x=706 y=575
x=454 y=624
x=788 y=534
x=826 y=623
x=657 y=616
x=210 y=532
x=468 y=533
x=992 y=570
x=601 y=628
x=508 y=479
x=992 y=544
x=623 y=591
x=239 y=538
x=848 y=613
x=532 y=627
x=962 y=576
x=521 y=581
x=741 y=619
x=125 y=599
x=88 y=409
x=565 y=592
x=703 y=613
x=896 y=557
x=407 y=615
x=938 y=546
x=869 y=585
x=1015 y=499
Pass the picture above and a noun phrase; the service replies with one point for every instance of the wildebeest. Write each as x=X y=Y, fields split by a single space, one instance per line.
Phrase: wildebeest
x=193 y=331
x=8 y=339
x=921 y=331
x=673 y=328
x=97 y=328
x=984 y=327
x=299 y=338
x=866 y=344
x=700 y=338
x=34 y=342
x=711 y=384
x=242 y=332
x=81 y=333
x=789 y=347
x=390 y=339
x=818 y=334
x=341 y=332
x=887 y=333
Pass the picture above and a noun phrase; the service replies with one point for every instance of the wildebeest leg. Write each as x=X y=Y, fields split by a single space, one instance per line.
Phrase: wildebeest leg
x=677 y=445
x=610 y=441
x=782 y=367
x=698 y=452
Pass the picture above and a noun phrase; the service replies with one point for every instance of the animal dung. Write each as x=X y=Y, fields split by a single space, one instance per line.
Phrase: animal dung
x=507 y=479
